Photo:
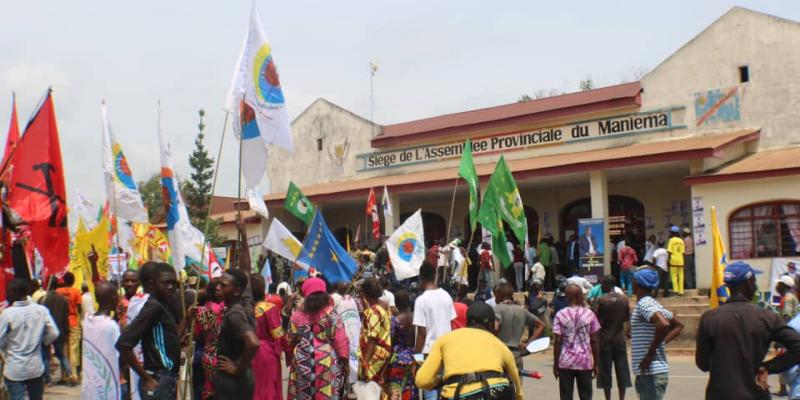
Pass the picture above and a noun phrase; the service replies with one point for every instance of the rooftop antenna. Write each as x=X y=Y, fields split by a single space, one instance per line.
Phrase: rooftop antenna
x=373 y=68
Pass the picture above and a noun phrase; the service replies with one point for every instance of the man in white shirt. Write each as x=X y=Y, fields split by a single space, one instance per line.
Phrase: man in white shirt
x=660 y=256
x=24 y=327
x=388 y=297
x=87 y=301
x=433 y=311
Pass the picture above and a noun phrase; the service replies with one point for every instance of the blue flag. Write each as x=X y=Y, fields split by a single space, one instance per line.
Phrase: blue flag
x=266 y=272
x=322 y=251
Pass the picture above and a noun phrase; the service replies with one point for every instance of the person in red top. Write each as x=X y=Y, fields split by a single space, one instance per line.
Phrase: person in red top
x=73 y=296
x=460 y=304
x=627 y=263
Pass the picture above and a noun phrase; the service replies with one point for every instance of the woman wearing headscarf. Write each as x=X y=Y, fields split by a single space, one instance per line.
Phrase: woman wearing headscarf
x=319 y=346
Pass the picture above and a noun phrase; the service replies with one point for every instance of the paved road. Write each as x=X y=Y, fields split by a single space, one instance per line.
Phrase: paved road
x=686 y=382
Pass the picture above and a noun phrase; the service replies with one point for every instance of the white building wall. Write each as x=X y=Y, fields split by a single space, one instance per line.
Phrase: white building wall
x=770 y=100
x=729 y=196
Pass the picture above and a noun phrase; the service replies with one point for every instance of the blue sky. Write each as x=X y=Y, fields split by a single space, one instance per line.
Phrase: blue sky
x=434 y=57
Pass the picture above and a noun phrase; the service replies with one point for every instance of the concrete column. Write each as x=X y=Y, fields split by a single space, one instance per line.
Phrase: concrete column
x=598 y=189
x=389 y=225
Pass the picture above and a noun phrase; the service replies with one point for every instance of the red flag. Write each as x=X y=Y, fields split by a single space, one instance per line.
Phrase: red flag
x=36 y=188
x=372 y=210
x=13 y=133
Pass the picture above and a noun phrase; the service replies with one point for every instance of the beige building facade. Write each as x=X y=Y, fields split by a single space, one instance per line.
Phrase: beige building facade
x=715 y=124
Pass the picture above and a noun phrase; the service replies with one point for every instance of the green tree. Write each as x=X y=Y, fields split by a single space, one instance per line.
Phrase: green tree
x=197 y=189
x=150 y=190
x=587 y=84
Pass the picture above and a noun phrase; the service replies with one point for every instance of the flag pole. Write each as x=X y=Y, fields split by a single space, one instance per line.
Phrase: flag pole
x=190 y=356
x=239 y=189
x=452 y=206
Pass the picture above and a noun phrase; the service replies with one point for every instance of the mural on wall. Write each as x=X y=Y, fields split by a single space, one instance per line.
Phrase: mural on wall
x=338 y=154
x=717 y=105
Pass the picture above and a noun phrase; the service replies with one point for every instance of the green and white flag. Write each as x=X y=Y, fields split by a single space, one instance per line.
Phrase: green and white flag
x=298 y=204
x=502 y=199
x=466 y=170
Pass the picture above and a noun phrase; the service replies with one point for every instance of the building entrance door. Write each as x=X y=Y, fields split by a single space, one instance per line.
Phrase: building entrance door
x=626 y=219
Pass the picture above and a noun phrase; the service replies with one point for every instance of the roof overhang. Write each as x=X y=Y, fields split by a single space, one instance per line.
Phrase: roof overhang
x=526 y=113
x=763 y=164
x=683 y=149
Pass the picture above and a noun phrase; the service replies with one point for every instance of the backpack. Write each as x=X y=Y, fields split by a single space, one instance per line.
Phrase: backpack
x=486 y=260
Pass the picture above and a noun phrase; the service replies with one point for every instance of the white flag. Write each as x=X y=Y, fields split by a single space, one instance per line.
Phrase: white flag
x=386 y=203
x=256 y=101
x=406 y=247
x=184 y=239
x=257 y=202
x=123 y=195
x=85 y=210
x=281 y=241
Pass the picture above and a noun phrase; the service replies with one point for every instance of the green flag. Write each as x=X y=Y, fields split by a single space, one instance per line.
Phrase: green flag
x=466 y=169
x=499 y=243
x=298 y=204
x=502 y=198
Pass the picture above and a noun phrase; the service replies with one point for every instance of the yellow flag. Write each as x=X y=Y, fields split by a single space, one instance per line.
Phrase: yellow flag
x=719 y=292
x=82 y=246
x=150 y=244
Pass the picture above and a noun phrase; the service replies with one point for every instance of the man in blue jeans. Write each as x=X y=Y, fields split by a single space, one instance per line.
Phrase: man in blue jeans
x=652 y=326
x=24 y=327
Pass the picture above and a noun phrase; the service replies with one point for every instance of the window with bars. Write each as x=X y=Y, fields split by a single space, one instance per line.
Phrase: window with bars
x=770 y=229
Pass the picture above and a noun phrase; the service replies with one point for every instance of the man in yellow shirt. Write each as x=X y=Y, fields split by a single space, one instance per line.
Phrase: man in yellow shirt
x=473 y=361
x=676 y=249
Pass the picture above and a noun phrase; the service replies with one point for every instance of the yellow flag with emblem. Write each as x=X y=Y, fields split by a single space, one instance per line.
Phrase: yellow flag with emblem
x=84 y=243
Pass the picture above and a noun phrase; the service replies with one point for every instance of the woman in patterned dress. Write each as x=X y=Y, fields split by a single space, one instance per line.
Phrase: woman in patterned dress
x=207 y=323
x=375 y=347
x=319 y=347
x=403 y=367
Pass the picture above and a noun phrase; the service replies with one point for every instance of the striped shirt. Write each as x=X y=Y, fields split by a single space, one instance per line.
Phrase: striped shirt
x=157 y=330
x=642 y=332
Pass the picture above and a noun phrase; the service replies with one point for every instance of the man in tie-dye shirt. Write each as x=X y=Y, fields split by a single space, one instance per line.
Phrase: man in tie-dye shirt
x=576 y=350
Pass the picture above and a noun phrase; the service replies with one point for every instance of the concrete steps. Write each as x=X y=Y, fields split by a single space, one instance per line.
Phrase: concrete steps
x=687 y=308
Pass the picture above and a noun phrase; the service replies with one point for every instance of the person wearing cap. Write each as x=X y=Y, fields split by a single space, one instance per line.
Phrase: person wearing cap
x=676 y=249
x=734 y=338
x=788 y=305
x=652 y=326
x=318 y=344
x=474 y=361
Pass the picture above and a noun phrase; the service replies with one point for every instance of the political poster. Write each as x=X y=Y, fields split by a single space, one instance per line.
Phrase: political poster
x=591 y=246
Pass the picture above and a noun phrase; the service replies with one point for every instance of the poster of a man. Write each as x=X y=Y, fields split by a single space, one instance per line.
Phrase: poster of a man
x=587 y=243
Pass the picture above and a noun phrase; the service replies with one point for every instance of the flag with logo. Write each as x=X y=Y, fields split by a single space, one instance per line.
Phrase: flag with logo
x=298 y=204
x=257 y=103
x=406 y=247
x=184 y=239
x=502 y=199
x=37 y=194
x=719 y=292
x=466 y=170
x=386 y=204
x=149 y=244
x=282 y=242
x=323 y=251
x=372 y=212
x=13 y=134
x=121 y=187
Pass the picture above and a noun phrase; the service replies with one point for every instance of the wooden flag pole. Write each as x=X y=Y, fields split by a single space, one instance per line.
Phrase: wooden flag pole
x=190 y=354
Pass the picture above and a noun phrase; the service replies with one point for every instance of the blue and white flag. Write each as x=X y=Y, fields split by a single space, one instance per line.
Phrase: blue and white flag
x=266 y=271
x=322 y=251
x=184 y=239
x=256 y=101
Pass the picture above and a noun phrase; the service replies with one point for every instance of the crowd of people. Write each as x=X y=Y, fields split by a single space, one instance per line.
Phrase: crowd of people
x=428 y=337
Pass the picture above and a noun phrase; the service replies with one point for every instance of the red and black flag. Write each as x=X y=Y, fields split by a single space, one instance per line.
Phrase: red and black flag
x=36 y=190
